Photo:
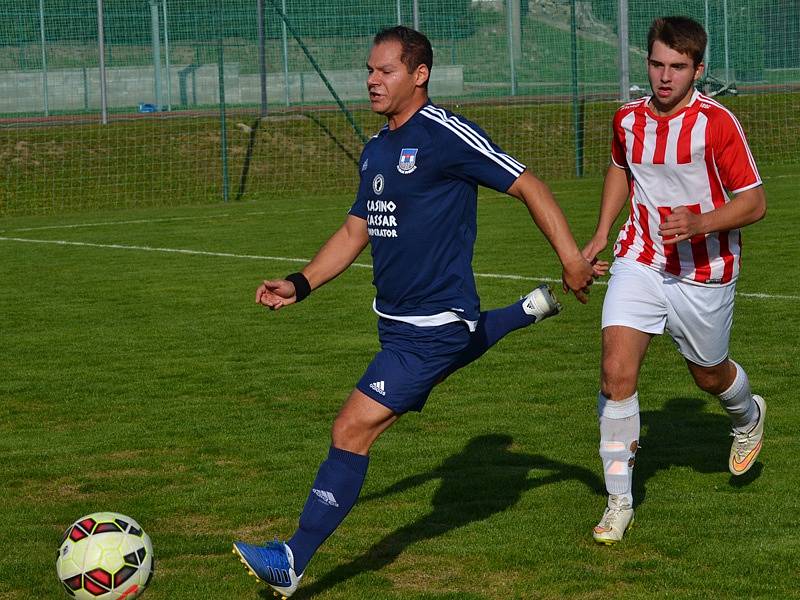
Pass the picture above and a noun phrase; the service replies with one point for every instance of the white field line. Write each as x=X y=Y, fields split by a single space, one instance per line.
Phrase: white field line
x=759 y=295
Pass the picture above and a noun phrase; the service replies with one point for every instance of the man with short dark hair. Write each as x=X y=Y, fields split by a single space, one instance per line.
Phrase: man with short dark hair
x=681 y=162
x=417 y=208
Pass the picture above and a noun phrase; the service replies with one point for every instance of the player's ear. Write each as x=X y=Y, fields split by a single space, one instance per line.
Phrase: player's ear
x=422 y=75
x=699 y=70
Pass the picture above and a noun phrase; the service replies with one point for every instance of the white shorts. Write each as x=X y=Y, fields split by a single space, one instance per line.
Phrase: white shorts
x=697 y=317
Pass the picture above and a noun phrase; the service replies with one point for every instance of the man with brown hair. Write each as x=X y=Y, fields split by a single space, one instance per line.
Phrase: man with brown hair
x=681 y=162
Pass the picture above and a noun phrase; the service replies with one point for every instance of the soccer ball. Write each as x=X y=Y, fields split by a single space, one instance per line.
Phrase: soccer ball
x=105 y=556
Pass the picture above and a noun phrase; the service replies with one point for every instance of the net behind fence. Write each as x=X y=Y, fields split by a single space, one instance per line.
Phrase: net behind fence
x=210 y=100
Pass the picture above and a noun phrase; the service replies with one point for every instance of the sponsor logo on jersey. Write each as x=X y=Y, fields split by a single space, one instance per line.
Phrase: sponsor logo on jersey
x=408 y=160
x=325 y=497
x=378 y=387
x=364 y=166
x=380 y=221
x=377 y=184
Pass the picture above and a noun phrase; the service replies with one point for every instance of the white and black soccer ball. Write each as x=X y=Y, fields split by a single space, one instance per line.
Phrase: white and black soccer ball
x=105 y=556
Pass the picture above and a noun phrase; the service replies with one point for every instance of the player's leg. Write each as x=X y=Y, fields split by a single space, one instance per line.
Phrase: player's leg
x=728 y=381
x=634 y=310
x=700 y=321
x=399 y=379
x=623 y=351
x=340 y=477
x=333 y=494
x=494 y=325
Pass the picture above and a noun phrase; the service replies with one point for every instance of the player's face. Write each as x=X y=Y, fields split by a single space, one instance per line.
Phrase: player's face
x=393 y=91
x=672 y=76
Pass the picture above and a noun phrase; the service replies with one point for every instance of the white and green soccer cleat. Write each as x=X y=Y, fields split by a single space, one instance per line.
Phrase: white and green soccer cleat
x=541 y=303
x=747 y=445
x=616 y=519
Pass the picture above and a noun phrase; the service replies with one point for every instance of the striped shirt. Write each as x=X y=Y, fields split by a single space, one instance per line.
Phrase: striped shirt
x=418 y=194
x=694 y=158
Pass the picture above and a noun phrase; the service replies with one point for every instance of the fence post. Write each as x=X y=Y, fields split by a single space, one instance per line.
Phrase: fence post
x=624 y=51
x=166 y=56
x=511 y=59
x=285 y=54
x=101 y=47
x=221 y=76
x=262 y=56
x=44 y=59
x=155 y=41
x=577 y=105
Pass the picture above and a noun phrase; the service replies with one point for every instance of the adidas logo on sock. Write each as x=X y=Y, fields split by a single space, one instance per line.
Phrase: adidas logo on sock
x=378 y=387
x=326 y=497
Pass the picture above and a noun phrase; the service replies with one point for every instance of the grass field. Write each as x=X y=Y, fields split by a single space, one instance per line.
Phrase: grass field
x=139 y=376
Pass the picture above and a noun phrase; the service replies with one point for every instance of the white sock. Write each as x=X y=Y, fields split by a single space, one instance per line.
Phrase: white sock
x=738 y=401
x=619 y=440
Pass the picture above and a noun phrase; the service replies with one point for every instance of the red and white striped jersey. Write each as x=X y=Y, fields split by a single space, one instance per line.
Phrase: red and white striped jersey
x=693 y=158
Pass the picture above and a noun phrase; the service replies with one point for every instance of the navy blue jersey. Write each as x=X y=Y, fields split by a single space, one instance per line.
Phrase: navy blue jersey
x=418 y=194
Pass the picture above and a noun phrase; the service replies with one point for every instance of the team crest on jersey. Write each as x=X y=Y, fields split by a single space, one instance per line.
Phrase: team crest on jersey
x=377 y=184
x=408 y=160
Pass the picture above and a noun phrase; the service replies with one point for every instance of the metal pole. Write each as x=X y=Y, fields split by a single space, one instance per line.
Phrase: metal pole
x=166 y=57
x=221 y=77
x=101 y=44
x=624 y=51
x=576 y=107
x=155 y=37
x=511 y=61
x=285 y=55
x=416 y=14
x=399 y=14
x=44 y=59
x=262 y=56
x=725 y=25
x=707 y=58
x=516 y=21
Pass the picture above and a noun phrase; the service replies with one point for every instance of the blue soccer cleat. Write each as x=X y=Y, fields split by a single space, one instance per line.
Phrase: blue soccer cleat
x=272 y=563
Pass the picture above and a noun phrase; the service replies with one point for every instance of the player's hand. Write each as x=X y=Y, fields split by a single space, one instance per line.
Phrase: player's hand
x=276 y=293
x=595 y=246
x=681 y=224
x=577 y=276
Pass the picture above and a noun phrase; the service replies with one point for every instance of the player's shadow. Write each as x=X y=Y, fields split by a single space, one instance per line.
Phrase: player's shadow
x=682 y=434
x=484 y=479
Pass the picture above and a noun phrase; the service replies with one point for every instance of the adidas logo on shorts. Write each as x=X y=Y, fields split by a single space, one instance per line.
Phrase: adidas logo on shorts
x=378 y=387
x=326 y=497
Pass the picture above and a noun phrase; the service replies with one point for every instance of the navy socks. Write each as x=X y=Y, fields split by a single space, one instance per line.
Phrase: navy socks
x=493 y=325
x=333 y=494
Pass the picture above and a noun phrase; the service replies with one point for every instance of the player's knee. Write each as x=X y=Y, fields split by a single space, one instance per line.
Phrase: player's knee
x=713 y=383
x=343 y=431
x=714 y=380
x=351 y=434
x=618 y=381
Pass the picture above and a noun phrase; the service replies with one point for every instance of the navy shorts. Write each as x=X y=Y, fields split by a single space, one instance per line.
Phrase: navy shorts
x=411 y=361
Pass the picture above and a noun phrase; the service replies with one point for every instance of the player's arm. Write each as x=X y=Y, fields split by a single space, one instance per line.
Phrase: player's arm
x=547 y=214
x=338 y=253
x=746 y=207
x=616 y=188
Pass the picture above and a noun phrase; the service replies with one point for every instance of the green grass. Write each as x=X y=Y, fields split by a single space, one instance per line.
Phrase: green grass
x=148 y=382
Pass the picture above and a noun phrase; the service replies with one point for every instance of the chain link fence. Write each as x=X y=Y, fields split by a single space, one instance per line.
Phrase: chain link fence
x=126 y=103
